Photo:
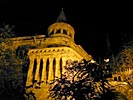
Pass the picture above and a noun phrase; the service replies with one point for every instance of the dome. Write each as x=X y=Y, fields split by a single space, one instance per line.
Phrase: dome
x=61 y=27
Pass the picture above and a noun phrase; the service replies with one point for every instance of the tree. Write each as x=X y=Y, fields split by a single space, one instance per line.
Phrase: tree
x=7 y=31
x=11 y=76
x=125 y=56
x=82 y=81
x=124 y=59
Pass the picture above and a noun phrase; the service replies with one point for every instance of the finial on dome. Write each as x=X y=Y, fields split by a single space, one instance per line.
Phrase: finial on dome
x=61 y=17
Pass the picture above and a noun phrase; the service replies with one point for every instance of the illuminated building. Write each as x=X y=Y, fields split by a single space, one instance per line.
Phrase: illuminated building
x=47 y=54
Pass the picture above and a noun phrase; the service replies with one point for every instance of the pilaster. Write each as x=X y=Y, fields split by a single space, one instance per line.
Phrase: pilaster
x=30 y=72
x=44 y=71
x=37 y=74
x=58 y=68
x=51 y=70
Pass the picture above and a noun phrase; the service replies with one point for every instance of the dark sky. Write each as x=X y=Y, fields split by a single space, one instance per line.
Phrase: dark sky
x=91 y=20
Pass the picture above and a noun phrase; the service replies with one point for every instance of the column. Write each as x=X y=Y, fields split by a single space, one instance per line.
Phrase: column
x=58 y=68
x=37 y=74
x=44 y=71
x=30 y=72
x=51 y=70
x=63 y=64
x=61 y=31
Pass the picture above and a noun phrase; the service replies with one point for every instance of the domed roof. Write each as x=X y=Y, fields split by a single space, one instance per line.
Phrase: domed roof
x=61 y=17
x=61 y=27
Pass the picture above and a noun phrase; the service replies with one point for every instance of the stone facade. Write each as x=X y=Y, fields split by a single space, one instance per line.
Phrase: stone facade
x=51 y=56
x=47 y=55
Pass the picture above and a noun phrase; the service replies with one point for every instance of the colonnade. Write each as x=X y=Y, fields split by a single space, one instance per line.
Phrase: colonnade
x=44 y=69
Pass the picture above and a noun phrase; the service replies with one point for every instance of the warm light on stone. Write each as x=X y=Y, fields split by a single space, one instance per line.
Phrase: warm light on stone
x=50 y=53
x=47 y=57
x=54 y=50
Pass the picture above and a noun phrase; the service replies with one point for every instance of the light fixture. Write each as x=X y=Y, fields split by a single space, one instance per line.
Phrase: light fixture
x=106 y=60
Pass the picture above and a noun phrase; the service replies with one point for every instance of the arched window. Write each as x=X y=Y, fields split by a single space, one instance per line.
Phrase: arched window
x=61 y=65
x=34 y=70
x=70 y=35
x=54 y=66
x=119 y=78
x=64 y=32
x=47 y=69
x=58 y=31
x=52 y=32
x=41 y=66
x=115 y=78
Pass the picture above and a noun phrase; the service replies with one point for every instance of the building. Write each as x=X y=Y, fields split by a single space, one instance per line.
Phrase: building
x=47 y=55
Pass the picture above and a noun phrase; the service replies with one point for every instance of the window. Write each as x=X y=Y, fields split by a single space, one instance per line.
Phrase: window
x=64 y=32
x=58 y=31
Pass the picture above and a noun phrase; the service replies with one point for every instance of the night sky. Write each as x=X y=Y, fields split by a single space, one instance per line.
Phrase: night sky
x=91 y=20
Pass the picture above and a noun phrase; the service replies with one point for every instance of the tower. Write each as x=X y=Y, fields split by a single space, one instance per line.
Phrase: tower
x=47 y=55
x=47 y=61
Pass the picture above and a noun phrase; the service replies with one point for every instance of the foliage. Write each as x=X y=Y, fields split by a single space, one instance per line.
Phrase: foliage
x=7 y=31
x=11 y=76
x=29 y=96
x=125 y=56
x=13 y=67
x=11 y=82
x=81 y=81
x=111 y=94
x=124 y=59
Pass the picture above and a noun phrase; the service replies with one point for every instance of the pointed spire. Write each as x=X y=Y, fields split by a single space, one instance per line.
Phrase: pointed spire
x=61 y=17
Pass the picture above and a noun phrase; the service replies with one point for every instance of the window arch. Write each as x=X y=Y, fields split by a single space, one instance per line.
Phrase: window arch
x=115 y=78
x=65 y=32
x=41 y=67
x=54 y=66
x=47 y=69
x=61 y=65
x=58 y=31
x=34 y=70
x=119 y=78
